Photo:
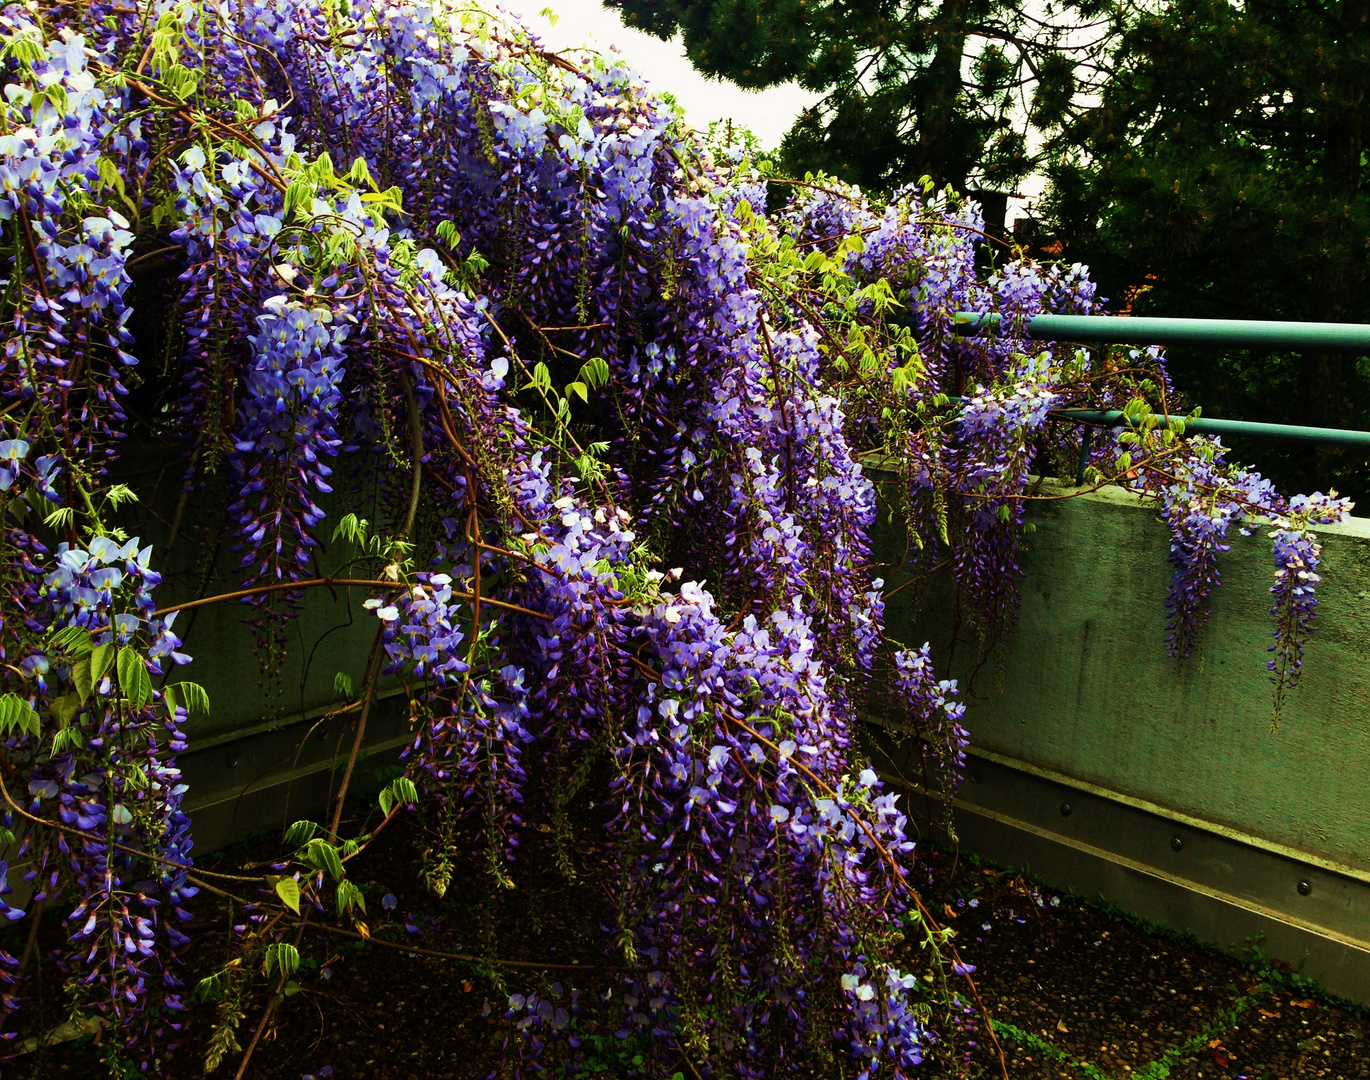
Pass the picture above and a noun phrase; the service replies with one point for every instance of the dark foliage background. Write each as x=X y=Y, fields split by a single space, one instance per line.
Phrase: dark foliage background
x=1223 y=176
x=953 y=90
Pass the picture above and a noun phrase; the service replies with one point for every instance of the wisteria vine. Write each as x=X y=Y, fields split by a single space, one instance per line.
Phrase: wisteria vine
x=620 y=415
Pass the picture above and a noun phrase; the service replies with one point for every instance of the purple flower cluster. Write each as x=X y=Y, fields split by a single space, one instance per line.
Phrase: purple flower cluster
x=738 y=775
x=1297 y=553
x=120 y=841
x=71 y=299
x=287 y=427
x=930 y=715
x=565 y=352
x=1200 y=507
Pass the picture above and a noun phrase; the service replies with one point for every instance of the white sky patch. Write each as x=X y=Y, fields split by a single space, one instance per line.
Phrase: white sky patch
x=768 y=113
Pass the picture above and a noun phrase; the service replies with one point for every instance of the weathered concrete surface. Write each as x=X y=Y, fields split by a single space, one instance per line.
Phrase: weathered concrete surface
x=333 y=633
x=265 y=752
x=1083 y=687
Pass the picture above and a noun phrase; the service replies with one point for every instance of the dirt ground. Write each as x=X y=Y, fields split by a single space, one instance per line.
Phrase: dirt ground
x=1074 y=990
x=1078 y=991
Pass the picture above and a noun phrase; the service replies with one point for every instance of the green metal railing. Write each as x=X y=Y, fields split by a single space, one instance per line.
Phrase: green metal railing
x=1235 y=333
x=1204 y=426
x=1238 y=333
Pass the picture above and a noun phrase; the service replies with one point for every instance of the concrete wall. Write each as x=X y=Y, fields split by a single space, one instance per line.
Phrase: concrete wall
x=262 y=756
x=1097 y=760
x=1107 y=768
x=1083 y=687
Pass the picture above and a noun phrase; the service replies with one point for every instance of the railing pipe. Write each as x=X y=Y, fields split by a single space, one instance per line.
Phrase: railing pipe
x=1239 y=333
x=1204 y=426
x=1126 y=330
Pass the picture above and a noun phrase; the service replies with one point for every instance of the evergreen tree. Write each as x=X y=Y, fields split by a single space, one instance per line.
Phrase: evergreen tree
x=1222 y=174
x=951 y=89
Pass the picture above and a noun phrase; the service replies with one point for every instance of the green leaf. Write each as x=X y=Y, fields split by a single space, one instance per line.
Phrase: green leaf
x=208 y=988
x=580 y=389
x=281 y=957
x=348 y=896
x=192 y=695
x=352 y=529
x=448 y=234
x=342 y=685
x=390 y=199
x=595 y=372
x=60 y=518
x=101 y=660
x=134 y=680
x=322 y=855
x=542 y=377
x=65 y=708
x=27 y=51
x=360 y=173
x=72 y=640
x=67 y=739
x=299 y=193
x=16 y=714
x=288 y=889
x=398 y=792
x=300 y=834
x=80 y=677
x=182 y=81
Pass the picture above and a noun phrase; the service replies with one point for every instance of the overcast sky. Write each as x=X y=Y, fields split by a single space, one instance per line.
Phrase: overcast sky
x=769 y=113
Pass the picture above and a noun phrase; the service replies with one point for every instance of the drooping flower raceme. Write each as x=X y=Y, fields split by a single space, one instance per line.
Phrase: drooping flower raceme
x=1297 y=553
x=600 y=424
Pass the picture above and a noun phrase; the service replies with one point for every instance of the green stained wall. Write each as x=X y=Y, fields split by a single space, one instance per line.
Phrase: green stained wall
x=266 y=754
x=333 y=632
x=1083 y=687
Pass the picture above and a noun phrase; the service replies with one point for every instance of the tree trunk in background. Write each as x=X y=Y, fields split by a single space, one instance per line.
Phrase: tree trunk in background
x=944 y=76
x=1323 y=389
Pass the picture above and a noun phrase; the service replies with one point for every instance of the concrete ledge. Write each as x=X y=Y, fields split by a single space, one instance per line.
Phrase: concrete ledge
x=1110 y=768
x=1222 y=890
x=273 y=775
x=1083 y=688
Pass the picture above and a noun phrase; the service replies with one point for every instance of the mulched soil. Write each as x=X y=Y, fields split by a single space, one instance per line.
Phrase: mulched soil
x=1076 y=992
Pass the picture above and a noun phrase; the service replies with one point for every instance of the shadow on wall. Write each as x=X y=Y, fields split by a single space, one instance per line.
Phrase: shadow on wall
x=269 y=749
